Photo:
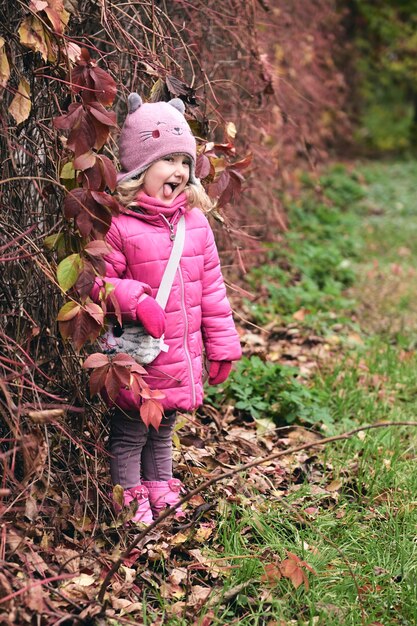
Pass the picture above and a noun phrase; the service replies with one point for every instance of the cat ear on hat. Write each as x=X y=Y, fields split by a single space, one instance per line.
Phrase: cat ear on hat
x=177 y=104
x=134 y=101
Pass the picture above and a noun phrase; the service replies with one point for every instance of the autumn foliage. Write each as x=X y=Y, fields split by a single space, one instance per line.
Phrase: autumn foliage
x=66 y=68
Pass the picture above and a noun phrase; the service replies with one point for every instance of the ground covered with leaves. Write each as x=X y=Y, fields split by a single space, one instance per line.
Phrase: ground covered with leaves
x=322 y=534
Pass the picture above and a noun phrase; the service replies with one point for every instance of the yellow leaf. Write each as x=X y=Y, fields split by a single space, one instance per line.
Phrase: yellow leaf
x=21 y=104
x=334 y=485
x=68 y=171
x=46 y=416
x=33 y=36
x=300 y=315
x=231 y=130
x=4 y=65
x=178 y=539
x=84 y=580
x=203 y=533
x=355 y=338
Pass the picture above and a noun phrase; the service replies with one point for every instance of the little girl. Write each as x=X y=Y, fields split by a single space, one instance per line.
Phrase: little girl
x=156 y=186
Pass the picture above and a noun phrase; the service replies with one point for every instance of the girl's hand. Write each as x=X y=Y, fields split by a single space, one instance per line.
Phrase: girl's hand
x=151 y=316
x=219 y=371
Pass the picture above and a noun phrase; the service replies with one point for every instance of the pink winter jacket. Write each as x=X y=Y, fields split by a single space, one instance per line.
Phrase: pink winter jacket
x=197 y=311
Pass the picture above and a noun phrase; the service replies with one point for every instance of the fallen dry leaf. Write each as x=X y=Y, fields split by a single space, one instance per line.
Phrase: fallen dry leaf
x=198 y=595
x=83 y=580
x=334 y=486
x=21 y=104
x=4 y=65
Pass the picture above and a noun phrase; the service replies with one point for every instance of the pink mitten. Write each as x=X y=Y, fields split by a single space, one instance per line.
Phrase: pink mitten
x=152 y=316
x=219 y=371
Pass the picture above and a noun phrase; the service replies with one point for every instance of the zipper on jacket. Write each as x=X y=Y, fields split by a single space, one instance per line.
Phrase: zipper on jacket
x=187 y=354
x=170 y=226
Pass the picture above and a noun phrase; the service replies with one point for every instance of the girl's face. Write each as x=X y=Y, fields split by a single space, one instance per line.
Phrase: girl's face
x=166 y=179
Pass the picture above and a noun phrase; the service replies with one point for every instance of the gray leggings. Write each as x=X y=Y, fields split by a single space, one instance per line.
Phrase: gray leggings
x=138 y=452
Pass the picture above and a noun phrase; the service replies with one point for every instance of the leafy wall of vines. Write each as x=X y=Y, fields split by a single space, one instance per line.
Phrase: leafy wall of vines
x=66 y=68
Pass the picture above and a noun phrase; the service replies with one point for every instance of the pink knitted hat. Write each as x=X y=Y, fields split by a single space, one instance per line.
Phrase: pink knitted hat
x=152 y=131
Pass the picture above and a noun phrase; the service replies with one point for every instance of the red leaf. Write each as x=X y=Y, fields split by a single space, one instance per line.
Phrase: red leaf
x=225 y=148
x=288 y=567
x=67 y=121
x=80 y=329
x=243 y=163
x=101 y=223
x=85 y=55
x=138 y=368
x=85 y=161
x=156 y=394
x=109 y=172
x=97 y=248
x=95 y=311
x=92 y=178
x=108 y=118
x=236 y=174
x=96 y=360
x=112 y=384
x=231 y=192
x=151 y=413
x=299 y=577
x=177 y=87
x=113 y=301
x=99 y=265
x=123 y=359
x=122 y=373
x=80 y=75
x=146 y=393
x=55 y=12
x=101 y=131
x=137 y=385
x=292 y=568
x=85 y=280
x=202 y=167
x=98 y=378
x=101 y=175
x=74 y=202
x=105 y=86
x=221 y=184
x=105 y=199
x=272 y=574
x=84 y=223
x=89 y=208
x=83 y=135
x=88 y=329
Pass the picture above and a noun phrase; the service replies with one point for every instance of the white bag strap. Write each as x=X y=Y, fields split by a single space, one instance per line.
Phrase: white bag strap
x=172 y=265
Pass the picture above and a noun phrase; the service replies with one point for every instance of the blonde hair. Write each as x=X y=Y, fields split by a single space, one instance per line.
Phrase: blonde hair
x=127 y=191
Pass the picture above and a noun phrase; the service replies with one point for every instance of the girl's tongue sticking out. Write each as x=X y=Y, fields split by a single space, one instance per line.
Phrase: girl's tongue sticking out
x=167 y=190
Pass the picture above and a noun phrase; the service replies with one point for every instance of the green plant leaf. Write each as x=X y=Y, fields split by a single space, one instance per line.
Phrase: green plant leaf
x=53 y=241
x=68 y=270
x=68 y=171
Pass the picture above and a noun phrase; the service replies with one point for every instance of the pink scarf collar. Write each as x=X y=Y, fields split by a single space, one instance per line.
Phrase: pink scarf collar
x=153 y=206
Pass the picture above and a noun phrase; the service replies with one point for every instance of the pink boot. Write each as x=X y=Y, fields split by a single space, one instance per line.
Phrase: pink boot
x=140 y=493
x=163 y=493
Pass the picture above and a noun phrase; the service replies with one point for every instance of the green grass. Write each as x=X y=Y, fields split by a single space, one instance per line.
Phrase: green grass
x=372 y=519
x=371 y=547
x=315 y=266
